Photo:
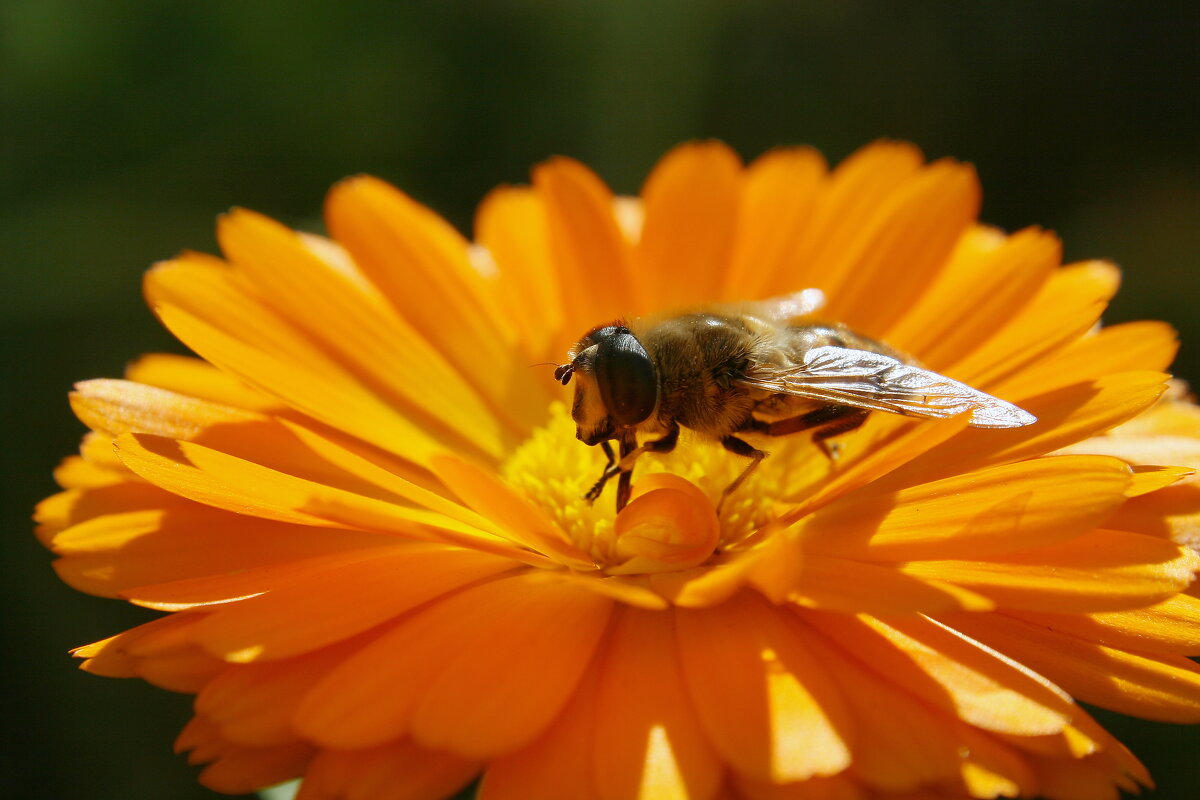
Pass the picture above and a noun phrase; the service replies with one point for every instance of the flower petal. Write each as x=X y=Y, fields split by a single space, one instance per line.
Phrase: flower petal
x=857 y=191
x=111 y=657
x=399 y=244
x=74 y=506
x=119 y=407
x=670 y=525
x=647 y=738
x=252 y=704
x=511 y=224
x=219 y=479
x=203 y=305
x=983 y=513
x=1147 y=479
x=629 y=591
x=112 y=553
x=396 y=771
x=900 y=713
x=365 y=336
x=312 y=610
x=591 y=254
x=835 y=787
x=478 y=673
x=1172 y=626
x=194 y=377
x=76 y=472
x=843 y=585
x=1176 y=415
x=1065 y=416
x=503 y=689
x=876 y=463
x=1183 y=450
x=235 y=769
x=891 y=261
x=992 y=769
x=781 y=191
x=560 y=757
x=690 y=200
x=227 y=587
x=114 y=407
x=899 y=743
x=1084 y=779
x=1110 y=350
x=952 y=673
x=1172 y=513
x=522 y=521
x=160 y=652
x=1065 y=308
x=988 y=278
x=1099 y=571
x=1162 y=687
x=769 y=709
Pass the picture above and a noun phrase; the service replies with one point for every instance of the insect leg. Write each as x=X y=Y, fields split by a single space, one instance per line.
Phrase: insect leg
x=828 y=421
x=630 y=451
x=629 y=454
x=667 y=443
x=741 y=448
x=819 y=418
x=841 y=424
x=664 y=445
x=610 y=469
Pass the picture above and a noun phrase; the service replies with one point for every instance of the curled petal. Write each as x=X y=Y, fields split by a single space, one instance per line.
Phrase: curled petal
x=671 y=526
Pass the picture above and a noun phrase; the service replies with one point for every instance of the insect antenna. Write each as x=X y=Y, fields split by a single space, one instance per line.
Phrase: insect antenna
x=562 y=372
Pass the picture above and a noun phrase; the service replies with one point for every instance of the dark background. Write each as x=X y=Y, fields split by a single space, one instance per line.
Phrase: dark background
x=126 y=125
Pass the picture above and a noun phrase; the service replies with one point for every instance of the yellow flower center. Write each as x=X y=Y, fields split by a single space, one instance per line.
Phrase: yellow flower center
x=671 y=523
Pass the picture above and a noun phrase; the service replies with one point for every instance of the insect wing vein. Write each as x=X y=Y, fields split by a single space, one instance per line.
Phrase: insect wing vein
x=877 y=382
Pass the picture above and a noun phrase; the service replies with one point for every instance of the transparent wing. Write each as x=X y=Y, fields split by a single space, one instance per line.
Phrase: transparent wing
x=788 y=306
x=873 y=381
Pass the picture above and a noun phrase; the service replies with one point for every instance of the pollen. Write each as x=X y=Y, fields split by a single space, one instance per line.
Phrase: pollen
x=555 y=470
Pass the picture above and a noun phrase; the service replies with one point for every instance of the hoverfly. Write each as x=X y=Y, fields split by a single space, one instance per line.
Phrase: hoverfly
x=755 y=367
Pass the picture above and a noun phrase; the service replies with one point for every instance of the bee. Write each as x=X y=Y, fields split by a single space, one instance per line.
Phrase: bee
x=751 y=368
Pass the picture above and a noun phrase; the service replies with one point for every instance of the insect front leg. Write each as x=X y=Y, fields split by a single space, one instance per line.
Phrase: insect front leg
x=622 y=468
x=630 y=452
x=663 y=445
x=610 y=469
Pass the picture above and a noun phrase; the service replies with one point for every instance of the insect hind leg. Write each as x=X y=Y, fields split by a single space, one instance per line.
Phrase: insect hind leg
x=843 y=423
x=825 y=423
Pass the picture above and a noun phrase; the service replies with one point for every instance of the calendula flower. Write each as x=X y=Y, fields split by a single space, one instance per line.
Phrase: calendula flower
x=363 y=509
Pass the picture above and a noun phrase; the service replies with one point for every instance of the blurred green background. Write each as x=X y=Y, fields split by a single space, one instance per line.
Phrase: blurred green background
x=126 y=125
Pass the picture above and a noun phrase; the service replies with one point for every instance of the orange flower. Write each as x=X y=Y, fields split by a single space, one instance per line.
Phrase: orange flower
x=363 y=508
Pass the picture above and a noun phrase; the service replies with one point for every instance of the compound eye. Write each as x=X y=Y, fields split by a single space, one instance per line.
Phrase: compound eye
x=626 y=376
